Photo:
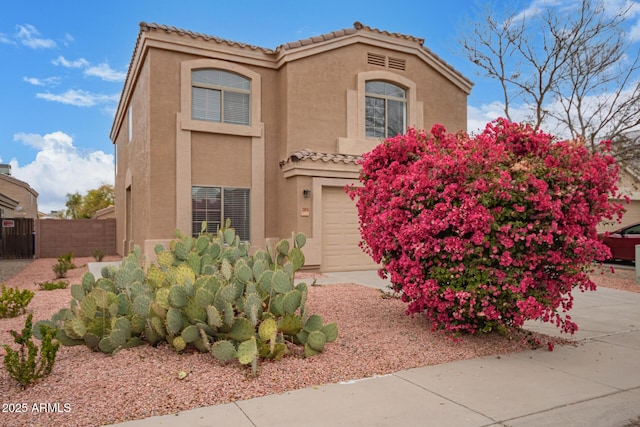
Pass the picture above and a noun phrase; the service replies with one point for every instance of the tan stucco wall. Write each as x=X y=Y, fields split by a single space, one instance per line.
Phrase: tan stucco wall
x=303 y=101
x=22 y=193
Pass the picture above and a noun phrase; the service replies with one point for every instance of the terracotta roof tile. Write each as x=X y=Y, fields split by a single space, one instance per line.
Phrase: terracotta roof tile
x=144 y=26
x=315 y=156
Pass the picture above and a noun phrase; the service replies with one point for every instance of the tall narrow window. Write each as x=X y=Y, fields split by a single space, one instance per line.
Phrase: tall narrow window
x=220 y=96
x=215 y=204
x=385 y=109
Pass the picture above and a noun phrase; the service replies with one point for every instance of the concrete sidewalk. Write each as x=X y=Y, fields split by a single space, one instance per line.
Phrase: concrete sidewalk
x=595 y=382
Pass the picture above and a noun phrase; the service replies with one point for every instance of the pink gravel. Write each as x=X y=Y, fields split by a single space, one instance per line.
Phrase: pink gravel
x=89 y=389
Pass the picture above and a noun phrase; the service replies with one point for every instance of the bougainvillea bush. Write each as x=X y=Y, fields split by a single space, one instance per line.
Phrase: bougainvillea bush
x=482 y=233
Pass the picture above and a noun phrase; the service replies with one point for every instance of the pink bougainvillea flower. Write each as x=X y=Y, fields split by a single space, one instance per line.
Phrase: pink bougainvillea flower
x=485 y=232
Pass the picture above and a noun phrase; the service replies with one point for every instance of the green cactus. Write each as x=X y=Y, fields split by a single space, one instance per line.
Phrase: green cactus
x=299 y=240
x=313 y=323
x=330 y=330
x=268 y=329
x=317 y=340
x=107 y=346
x=290 y=324
x=194 y=312
x=179 y=343
x=141 y=305
x=247 y=351
x=202 y=244
x=206 y=293
x=177 y=296
x=180 y=250
x=253 y=307
x=194 y=261
x=190 y=334
x=165 y=259
x=243 y=271
x=282 y=247
x=242 y=329
x=224 y=351
x=291 y=301
x=214 y=320
x=281 y=282
x=88 y=281
x=77 y=292
x=203 y=297
x=174 y=321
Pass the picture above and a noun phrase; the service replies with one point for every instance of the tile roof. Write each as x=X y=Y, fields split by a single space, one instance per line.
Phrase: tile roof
x=144 y=26
x=357 y=26
x=315 y=156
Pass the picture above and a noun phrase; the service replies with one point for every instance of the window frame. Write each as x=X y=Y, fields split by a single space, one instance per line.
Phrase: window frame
x=244 y=230
x=222 y=92
x=186 y=123
x=386 y=99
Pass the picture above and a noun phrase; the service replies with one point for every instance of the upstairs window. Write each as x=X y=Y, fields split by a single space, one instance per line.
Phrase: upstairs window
x=385 y=109
x=220 y=96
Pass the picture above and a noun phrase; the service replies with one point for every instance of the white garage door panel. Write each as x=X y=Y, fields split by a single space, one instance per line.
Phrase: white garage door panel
x=341 y=236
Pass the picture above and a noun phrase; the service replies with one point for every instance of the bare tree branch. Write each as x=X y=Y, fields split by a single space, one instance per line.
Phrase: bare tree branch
x=569 y=66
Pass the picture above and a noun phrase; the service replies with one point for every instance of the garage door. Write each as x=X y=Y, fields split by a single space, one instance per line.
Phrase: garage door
x=340 y=233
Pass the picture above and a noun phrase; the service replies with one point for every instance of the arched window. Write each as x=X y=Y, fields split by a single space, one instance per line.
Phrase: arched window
x=220 y=96
x=385 y=109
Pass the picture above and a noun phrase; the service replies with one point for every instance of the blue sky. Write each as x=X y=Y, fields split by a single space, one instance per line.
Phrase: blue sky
x=64 y=64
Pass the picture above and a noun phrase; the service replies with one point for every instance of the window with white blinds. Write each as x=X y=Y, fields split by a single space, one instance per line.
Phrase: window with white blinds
x=220 y=96
x=215 y=204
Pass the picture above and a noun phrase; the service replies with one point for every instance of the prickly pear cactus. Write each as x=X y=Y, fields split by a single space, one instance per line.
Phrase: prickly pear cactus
x=209 y=293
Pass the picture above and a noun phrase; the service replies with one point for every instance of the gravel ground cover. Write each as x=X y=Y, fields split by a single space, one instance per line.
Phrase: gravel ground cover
x=90 y=389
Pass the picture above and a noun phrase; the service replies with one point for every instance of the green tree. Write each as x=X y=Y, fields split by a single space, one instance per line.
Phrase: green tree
x=86 y=206
x=74 y=201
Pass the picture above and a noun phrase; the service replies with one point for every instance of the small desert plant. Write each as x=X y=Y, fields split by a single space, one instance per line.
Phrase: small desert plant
x=64 y=264
x=23 y=364
x=98 y=255
x=14 y=301
x=69 y=257
x=50 y=286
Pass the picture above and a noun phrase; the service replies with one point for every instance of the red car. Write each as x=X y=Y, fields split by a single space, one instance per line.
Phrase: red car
x=622 y=242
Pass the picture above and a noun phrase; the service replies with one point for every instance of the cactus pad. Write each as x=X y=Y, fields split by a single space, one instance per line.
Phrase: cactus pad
x=281 y=282
x=316 y=340
x=268 y=329
x=247 y=351
x=331 y=331
x=291 y=301
x=174 y=321
x=190 y=334
x=242 y=329
x=165 y=259
x=224 y=351
x=177 y=296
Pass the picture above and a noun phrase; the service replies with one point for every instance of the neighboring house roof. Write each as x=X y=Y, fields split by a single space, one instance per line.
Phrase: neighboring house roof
x=315 y=156
x=16 y=181
x=108 y=212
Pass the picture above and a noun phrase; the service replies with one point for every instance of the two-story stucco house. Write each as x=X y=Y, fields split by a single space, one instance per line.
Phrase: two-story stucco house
x=208 y=129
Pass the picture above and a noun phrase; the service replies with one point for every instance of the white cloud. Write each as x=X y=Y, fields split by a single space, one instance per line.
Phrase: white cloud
x=42 y=82
x=105 y=72
x=60 y=169
x=79 y=98
x=29 y=36
x=5 y=40
x=78 y=63
x=478 y=117
x=102 y=71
